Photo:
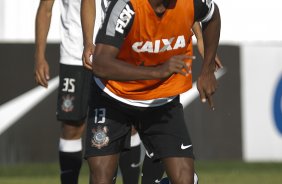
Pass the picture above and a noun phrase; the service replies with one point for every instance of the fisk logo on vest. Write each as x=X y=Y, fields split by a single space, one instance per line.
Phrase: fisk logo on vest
x=124 y=19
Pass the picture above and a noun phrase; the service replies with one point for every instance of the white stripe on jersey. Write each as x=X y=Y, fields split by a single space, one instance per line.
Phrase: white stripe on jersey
x=209 y=15
x=137 y=103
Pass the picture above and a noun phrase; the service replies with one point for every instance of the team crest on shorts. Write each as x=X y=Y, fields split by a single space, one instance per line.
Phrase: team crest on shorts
x=100 y=137
x=67 y=105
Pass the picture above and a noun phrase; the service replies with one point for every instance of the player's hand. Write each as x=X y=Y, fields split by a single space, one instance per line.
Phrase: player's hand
x=41 y=72
x=207 y=85
x=87 y=55
x=218 y=63
x=175 y=64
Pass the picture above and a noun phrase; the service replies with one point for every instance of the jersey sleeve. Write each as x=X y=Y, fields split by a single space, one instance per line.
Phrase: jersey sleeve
x=117 y=23
x=203 y=9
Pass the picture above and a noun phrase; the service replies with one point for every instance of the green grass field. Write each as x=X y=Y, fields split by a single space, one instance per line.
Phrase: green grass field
x=210 y=172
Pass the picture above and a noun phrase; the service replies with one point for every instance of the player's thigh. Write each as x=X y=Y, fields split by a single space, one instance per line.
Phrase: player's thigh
x=108 y=127
x=103 y=168
x=164 y=133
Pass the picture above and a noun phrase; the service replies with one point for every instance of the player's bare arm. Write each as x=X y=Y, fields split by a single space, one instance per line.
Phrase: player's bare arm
x=207 y=83
x=197 y=30
x=106 y=66
x=88 y=15
x=42 y=25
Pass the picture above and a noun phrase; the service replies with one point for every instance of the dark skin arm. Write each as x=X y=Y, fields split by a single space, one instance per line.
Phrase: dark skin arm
x=207 y=83
x=197 y=30
x=106 y=66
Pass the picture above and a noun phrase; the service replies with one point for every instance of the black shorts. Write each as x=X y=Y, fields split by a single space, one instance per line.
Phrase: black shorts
x=73 y=93
x=162 y=129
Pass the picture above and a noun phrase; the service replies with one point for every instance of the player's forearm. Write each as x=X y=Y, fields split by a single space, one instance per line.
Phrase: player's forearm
x=88 y=15
x=42 y=25
x=211 y=34
x=113 y=69
x=106 y=66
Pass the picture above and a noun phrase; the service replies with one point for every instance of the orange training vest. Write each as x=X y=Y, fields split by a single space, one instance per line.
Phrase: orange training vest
x=151 y=41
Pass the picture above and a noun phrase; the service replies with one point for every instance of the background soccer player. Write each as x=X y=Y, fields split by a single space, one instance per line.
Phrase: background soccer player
x=74 y=82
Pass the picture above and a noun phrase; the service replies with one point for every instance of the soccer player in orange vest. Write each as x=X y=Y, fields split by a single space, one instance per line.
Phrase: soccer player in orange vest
x=142 y=63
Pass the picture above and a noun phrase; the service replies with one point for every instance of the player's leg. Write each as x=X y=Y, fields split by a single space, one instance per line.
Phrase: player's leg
x=129 y=161
x=70 y=152
x=107 y=134
x=103 y=168
x=71 y=110
x=152 y=171
x=180 y=170
x=165 y=136
x=167 y=181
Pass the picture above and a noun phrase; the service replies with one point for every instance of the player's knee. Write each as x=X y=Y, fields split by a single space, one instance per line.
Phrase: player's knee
x=193 y=180
x=99 y=176
x=183 y=179
x=184 y=175
x=102 y=169
x=96 y=179
x=72 y=131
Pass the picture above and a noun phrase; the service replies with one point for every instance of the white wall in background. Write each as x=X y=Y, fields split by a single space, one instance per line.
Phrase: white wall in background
x=242 y=20
x=250 y=20
x=261 y=81
x=17 y=21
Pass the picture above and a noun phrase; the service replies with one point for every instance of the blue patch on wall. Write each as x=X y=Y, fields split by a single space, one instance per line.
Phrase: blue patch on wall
x=277 y=106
